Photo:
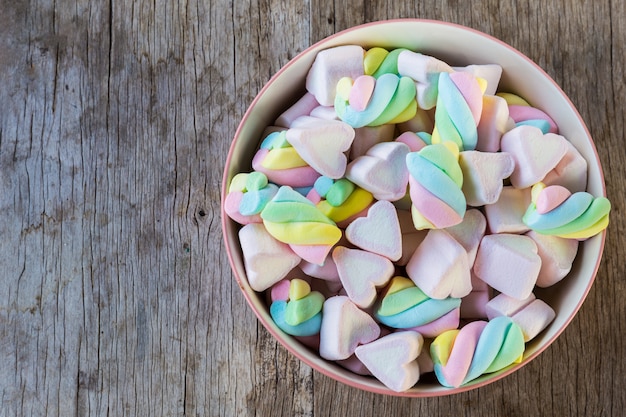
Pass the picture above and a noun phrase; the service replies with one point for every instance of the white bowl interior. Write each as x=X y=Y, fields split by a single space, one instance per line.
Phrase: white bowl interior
x=457 y=46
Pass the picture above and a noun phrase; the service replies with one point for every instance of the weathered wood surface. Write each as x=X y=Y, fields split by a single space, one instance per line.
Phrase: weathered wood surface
x=116 y=297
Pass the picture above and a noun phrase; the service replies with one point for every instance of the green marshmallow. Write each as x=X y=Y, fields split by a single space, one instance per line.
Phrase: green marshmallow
x=299 y=311
x=256 y=181
x=400 y=301
x=339 y=192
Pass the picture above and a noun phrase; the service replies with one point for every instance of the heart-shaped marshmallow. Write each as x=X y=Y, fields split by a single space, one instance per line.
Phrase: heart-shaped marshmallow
x=344 y=327
x=266 y=260
x=361 y=272
x=378 y=232
x=483 y=173
x=535 y=154
x=382 y=171
x=322 y=143
x=393 y=359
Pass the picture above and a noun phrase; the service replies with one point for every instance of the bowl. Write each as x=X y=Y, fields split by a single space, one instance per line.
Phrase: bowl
x=456 y=45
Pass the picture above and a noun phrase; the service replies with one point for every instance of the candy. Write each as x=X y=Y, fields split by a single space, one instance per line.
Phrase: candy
x=301 y=313
x=530 y=314
x=393 y=359
x=557 y=255
x=578 y=216
x=483 y=175
x=340 y=200
x=378 y=232
x=329 y=67
x=535 y=153
x=344 y=327
x=247 y=196
x=392 y=100
x=322 y=143
x=435 y=183
x=509 y=263
x=292 y=219
x=381 y=171
x=440 y=266
x=266 y=260
x=480 y=347
x=361 y=272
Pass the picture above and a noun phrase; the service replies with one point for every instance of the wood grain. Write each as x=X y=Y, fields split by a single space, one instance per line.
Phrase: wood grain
x=116 y=296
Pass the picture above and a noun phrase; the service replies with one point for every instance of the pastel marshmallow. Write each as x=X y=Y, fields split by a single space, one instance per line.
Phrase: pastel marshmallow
x=531 y=314
x=367 y=136
x=382 y=171
x=508 y=263
x=483 y=175
x=302 y=107
x=469 y=232
x=266 y=260
x=393 y=359
x=506 y=214
x=535 y=154
x=361 y=273
x=557 y=256
x=491 y=73
x=570 y=172
x=411 y=237
x=494 y=122
x=440 y=266
x=378 y=232
x=322 y=144
x=344 y=327
x=329 y=67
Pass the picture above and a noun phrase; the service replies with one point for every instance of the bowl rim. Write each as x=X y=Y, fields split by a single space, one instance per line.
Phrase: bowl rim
x=329 y=368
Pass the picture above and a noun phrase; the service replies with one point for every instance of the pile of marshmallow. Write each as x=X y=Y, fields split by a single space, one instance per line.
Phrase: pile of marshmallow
x=400 y=214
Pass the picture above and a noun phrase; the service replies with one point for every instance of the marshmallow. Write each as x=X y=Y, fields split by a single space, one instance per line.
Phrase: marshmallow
x=321 y=144
x=557 y=255
x=469 y=232
x=301 y=314
x=302 y=107
x=368 y=136
x=329 y=67
x=505 y=215
x=494 y=122
x=266 y=260
x=483 y=173
x=381 y=171
x=535 y=154
x=570 y=172
x=440 y=266
x=509 y=263
x=531 y=314
x=378 y=232
x=411 y=237
x=344 y=327
x=393 y=359
x=361 y=272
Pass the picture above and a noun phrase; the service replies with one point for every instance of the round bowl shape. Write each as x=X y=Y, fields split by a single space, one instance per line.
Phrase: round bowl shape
x=456 y=45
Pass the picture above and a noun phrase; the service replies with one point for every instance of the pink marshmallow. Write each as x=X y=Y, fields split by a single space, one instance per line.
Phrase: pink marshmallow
x=535 y=154
x=414 y=142
x=344 y=327
x=448 y=321
x=393 y=359
x=440 y=266
x=483 y=175
x=469 y=232
x=508 y=263
x=491 y=73
x=557 y=255
x=494 y=122
x=368 y=136
x=551 y=197
x=531 y=314
x=570 y=172
x=505 y=215
x=302 y=107
x=322 y=143
x=361 y=273
x=329 y=67
x=378 y=232
x=382 y=171
x=266 y=260
x=326 y=271
x=504 y=305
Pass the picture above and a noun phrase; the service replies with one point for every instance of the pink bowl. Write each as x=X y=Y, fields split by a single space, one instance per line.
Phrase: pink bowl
x=457 y=45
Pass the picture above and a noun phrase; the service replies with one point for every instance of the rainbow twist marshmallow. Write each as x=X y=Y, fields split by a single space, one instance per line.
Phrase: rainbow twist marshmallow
x=378 y=61
x=300 y=312
x=293 y=219
x=405 y=306
x=557 y=212
x=340 y=200
x=281 y=163
x=480 y=347
x=458 y=111
x=523 y=114
x=435 y=185
x=369 y=101
x=247 y=196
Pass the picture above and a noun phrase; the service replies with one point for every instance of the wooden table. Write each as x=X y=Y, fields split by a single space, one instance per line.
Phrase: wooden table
x=116 y=296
